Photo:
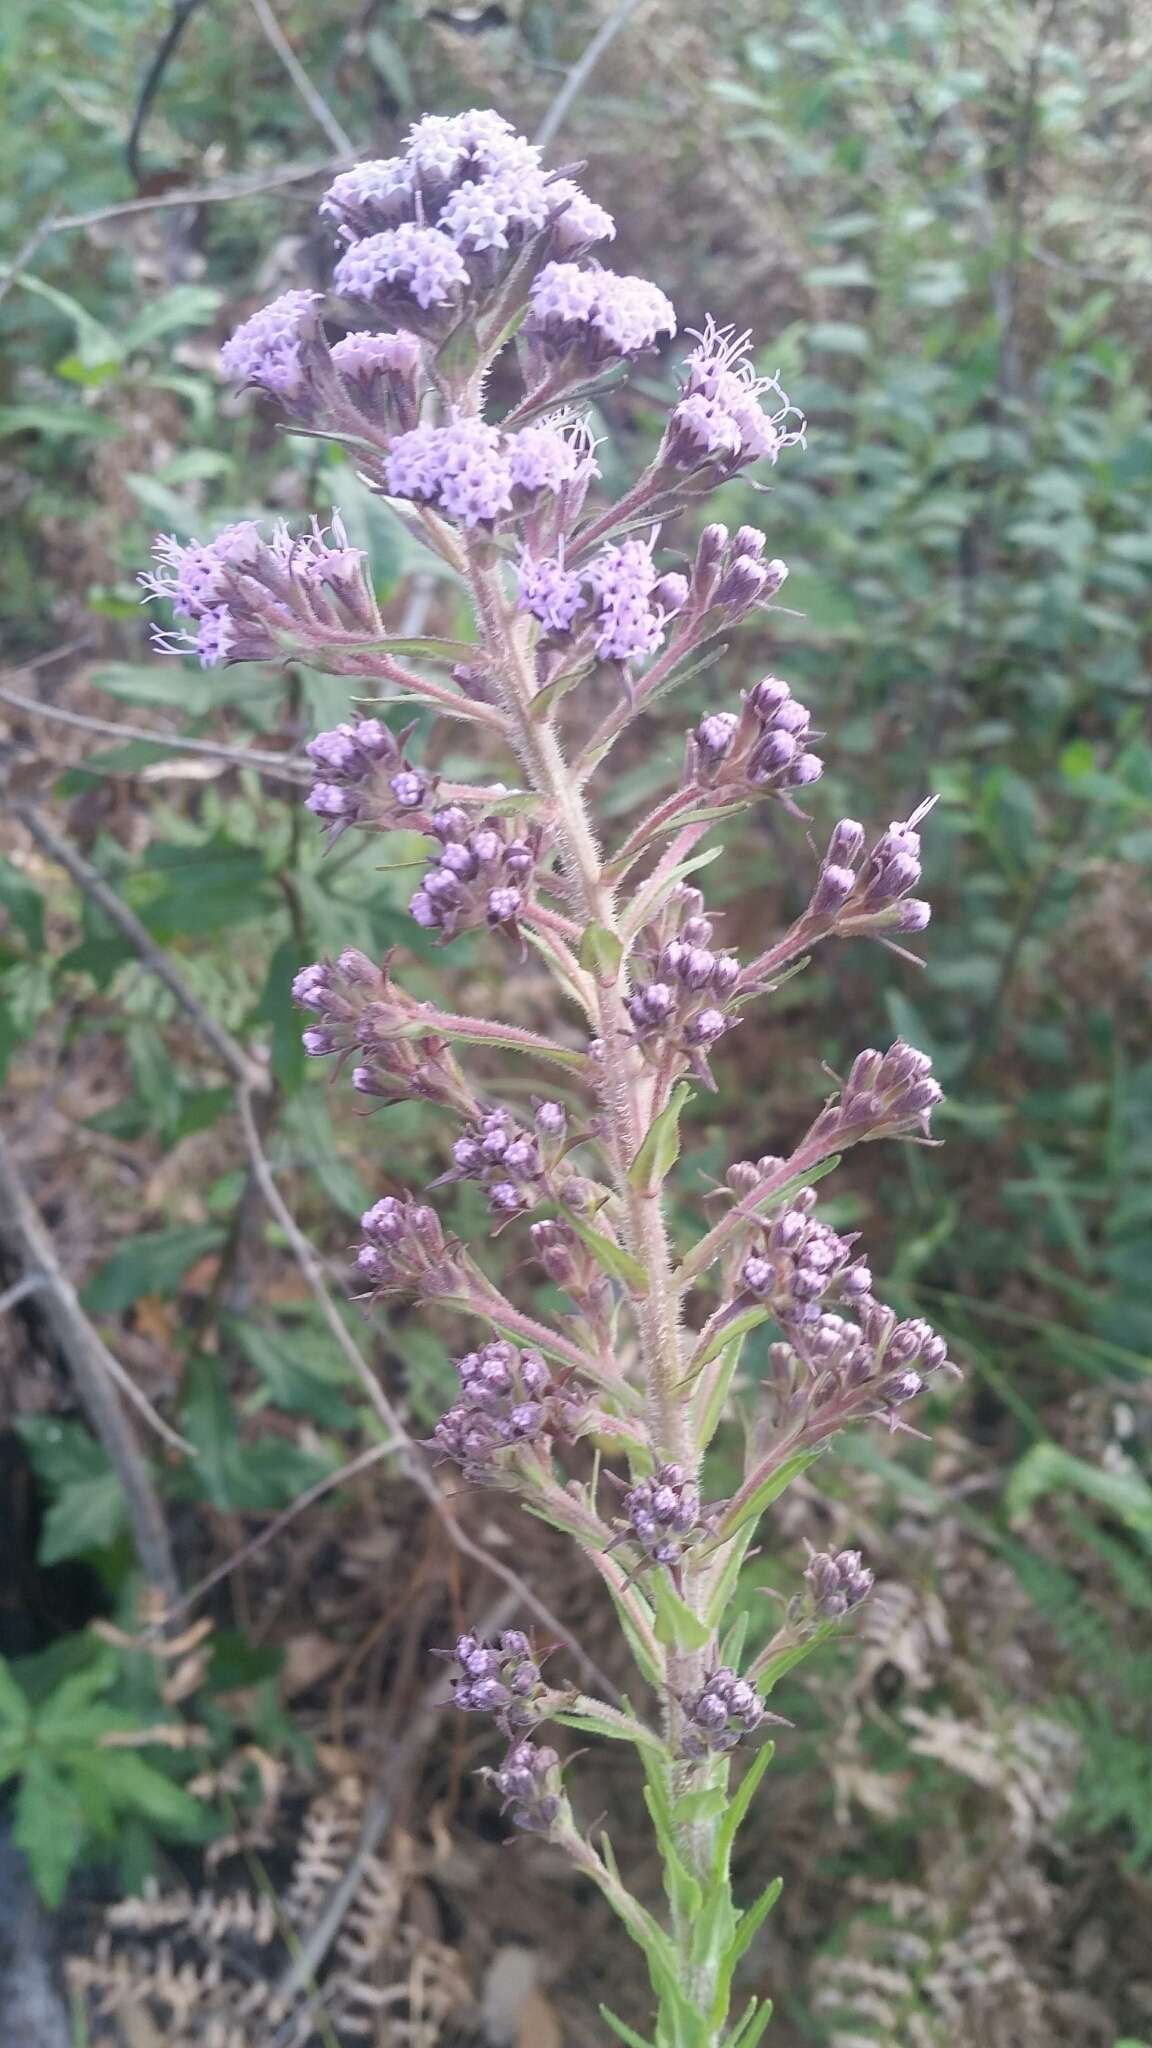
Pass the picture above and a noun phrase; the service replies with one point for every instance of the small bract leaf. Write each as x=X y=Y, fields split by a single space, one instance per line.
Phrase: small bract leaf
x=661 y=1147
x=601 y=953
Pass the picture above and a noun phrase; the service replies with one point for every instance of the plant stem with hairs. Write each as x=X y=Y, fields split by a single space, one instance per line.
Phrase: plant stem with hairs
x=598 y=1413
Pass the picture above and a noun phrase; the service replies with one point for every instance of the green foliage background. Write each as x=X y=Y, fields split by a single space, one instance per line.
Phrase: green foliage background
x=934 y=216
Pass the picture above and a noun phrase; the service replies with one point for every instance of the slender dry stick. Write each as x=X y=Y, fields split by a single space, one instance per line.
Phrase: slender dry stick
x=312 y=97
x=582 y=70
x=278 y=766
x=96 y=1374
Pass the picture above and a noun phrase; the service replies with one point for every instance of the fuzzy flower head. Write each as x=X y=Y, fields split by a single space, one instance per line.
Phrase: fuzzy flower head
x=720 y=419
x=411 y=262
x=629 y=623
x=248 y=599
x=592 y=318
x=476 y=474
x=271 y=349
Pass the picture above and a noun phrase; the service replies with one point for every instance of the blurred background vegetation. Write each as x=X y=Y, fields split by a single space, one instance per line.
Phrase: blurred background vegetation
x=933 y=214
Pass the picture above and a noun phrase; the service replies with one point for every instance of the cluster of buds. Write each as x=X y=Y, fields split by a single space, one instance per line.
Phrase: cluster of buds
x=615 y=609
x=483 y=874
x=512 y=1163
x=529 y=1782
x=730 y=576
x=855 y=895
x=248 y=599
x=480 y=476
x=663 y=1514
x=887 y=1095
x=762 y=747
x=405 y=1251
x=719 y=424
x=837 y=1583
x=833 y=1371
x=368 y=386
x=441 y=229
x=501 y=1678
x=801 y=1266
x=568 y=1263
x=507 y=1398
x=359 y=1008
x=685 y=1001
x=726 y=1708
x=582 y=322
x=363 y=777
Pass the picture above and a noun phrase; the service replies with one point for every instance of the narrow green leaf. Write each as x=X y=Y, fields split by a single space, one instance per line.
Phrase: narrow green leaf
x=707 y=1805
x=49 y=1826
x=739 y=1804
x=660 y=1148
x=607 y=1253
x=645 y=1660
x=786 y=1660
x=15 y=1706
x=655 y=893
x=751 y=2029
x=635 y=1732
x=726 y=1584
x=684 y=1894
x=750 y=1923
x=752 y=1508
x=676 y=1625
x=601 y=953
x=623 y=2033
x=737 y=1326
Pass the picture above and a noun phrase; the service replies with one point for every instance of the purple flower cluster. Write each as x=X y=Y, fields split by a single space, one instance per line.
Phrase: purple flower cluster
x=833 y=1371
x=720 y=424
x=886 y=1095
x=763 y=746
x=529 y=1782
x=512 y=1163
x=357 y=1007
x=838 y=1582
x=248 y=599
x=730 y=576
x=726 y=1708
x=365 y=382
x=363 y=777
x=580 y=321
x=405 y=1251
x=873 y=895
x=685 y=1000
x=617 y=607
x=500 y=1678
x=483 y=875
x=444 y=222
x=478 y=475
x=803 y=1266
x=507 y=1398
x=663 y=1514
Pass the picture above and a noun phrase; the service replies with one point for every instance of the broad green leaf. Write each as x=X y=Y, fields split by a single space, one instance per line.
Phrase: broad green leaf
x=90 y=1514
x=49 y=1826
x=15 y=1706
x=601 y=953
x=133 y=1783
x=73 y=1698
x=154 y=1262
x=660 y=1148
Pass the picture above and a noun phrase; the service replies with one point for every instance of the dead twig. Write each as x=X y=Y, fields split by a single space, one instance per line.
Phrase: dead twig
x=313 y=99
x=281 y=766
x=95 y=1373
x=582 y=70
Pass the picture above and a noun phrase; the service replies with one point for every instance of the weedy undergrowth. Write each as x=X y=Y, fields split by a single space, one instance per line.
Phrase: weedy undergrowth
x=599 y=1419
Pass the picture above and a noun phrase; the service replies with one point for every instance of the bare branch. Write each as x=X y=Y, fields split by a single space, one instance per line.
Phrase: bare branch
x=582 y=70
x=313 y=99
x=281 y=766
x=95 y=1373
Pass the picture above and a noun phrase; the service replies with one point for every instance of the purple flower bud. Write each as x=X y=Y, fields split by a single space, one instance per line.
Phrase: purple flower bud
x=409 y=789
x=807 y=769
x=696 y=930
x=697 y=968
x=506 y=1198
x=327 y=800
x=757 y=1274
x=450 y=822
x=715 y=733
x=766 y=698
x=749 y=541
x=503 y=904
x=551 y=1120
x=312 y=987
x=671 y=592
x=317 y=1041
x=706 y=1028
x=914 y=915
x=832 y=890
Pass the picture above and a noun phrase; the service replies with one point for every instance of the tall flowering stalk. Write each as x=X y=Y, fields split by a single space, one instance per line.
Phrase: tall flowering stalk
x=598 y=1419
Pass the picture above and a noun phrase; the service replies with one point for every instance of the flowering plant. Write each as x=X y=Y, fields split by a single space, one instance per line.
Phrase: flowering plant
x=599 y=1418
